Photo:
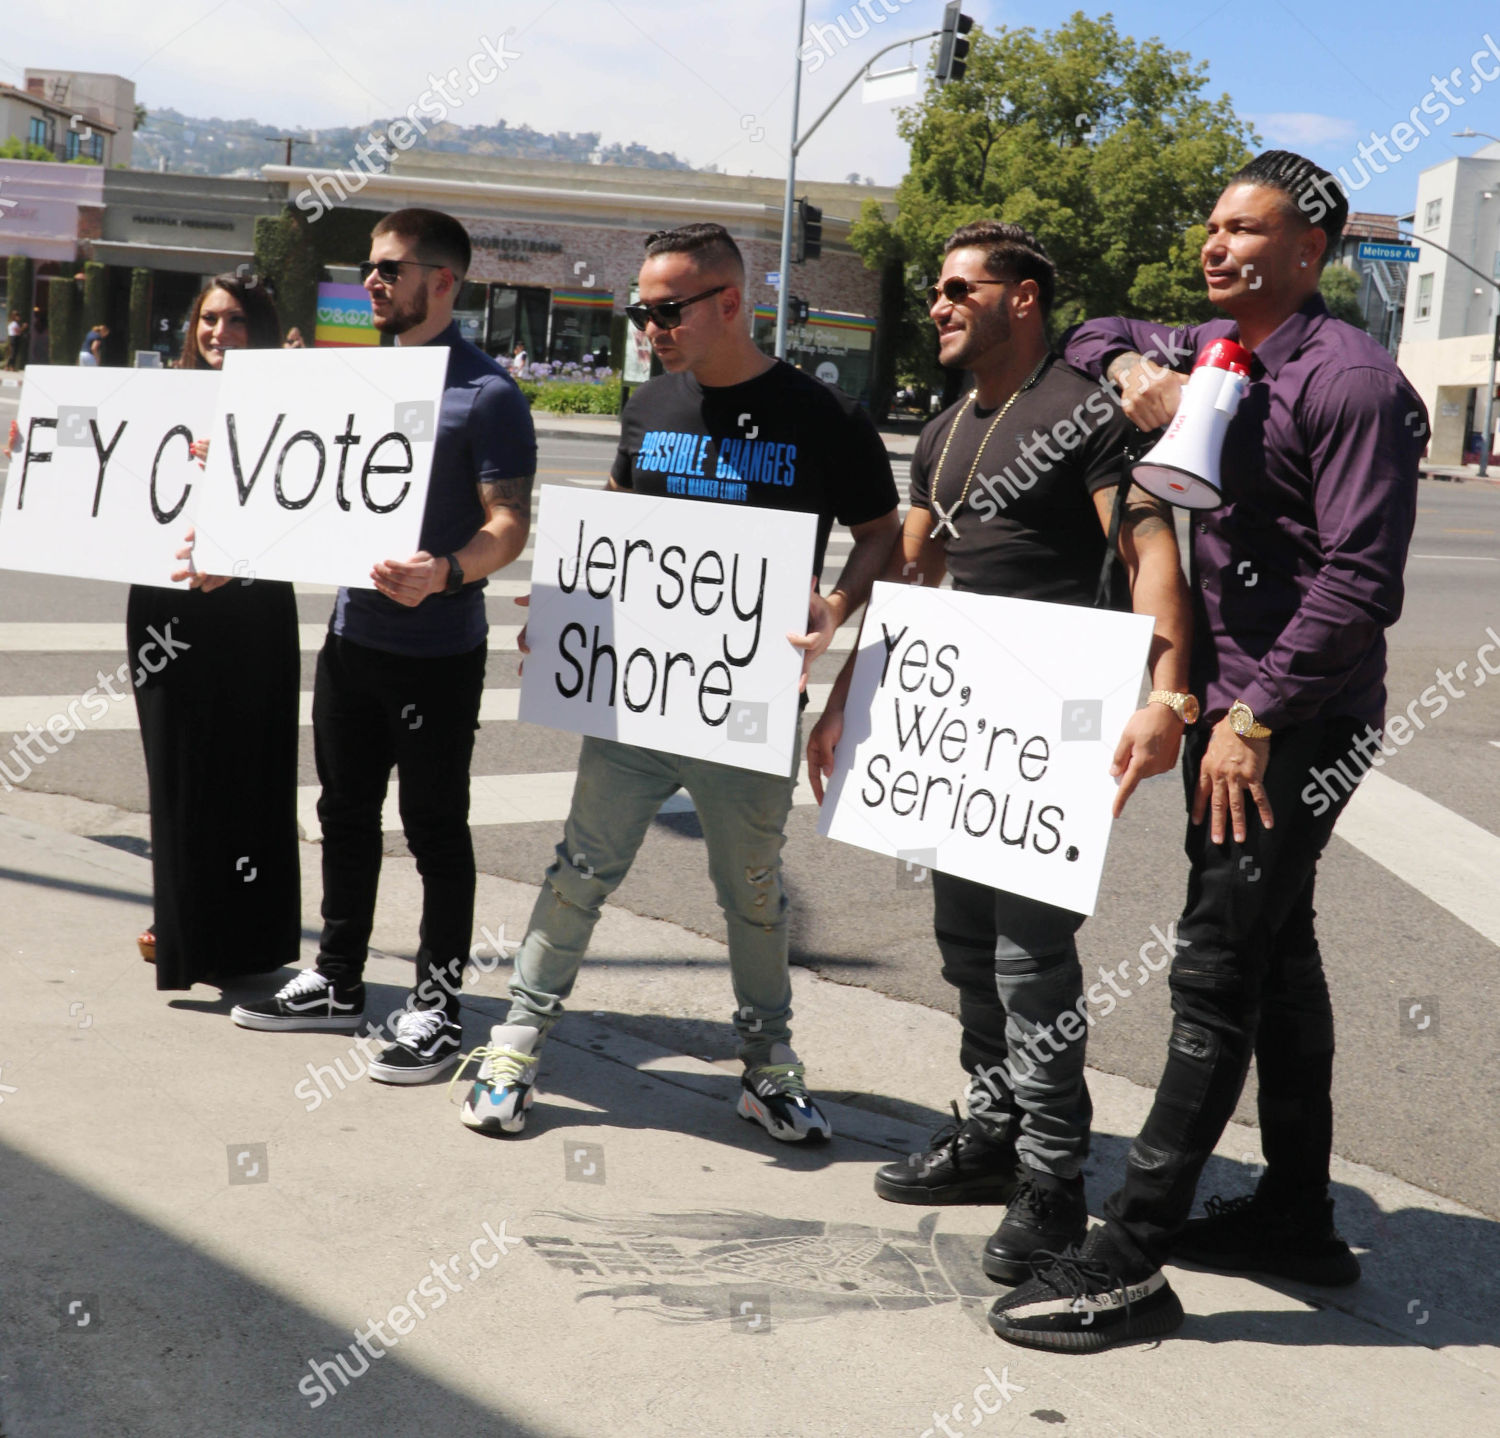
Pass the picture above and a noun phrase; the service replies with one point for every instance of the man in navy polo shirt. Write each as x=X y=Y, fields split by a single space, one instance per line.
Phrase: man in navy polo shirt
x=400 y=676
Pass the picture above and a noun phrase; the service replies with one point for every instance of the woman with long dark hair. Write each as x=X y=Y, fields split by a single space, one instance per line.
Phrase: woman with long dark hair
x=219 y=728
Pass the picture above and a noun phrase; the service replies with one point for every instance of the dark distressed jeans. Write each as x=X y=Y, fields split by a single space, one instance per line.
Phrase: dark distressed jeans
x=1247 y=978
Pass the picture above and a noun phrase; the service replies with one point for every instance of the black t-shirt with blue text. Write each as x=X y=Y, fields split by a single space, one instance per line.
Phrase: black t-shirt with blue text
x=782 y=440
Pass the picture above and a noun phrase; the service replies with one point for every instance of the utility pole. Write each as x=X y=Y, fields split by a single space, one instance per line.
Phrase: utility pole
x=784 y=269
x=289 y=141
x=960 y=25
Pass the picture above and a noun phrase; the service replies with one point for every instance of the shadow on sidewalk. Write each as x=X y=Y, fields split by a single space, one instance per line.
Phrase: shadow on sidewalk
x=111 y=1325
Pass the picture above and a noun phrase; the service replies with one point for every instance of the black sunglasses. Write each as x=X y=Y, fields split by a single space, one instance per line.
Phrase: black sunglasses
x=665 y=314
x=956 y=290
x=390 y=270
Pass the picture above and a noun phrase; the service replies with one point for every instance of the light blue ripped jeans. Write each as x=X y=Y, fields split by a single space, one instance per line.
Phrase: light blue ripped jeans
x=617 y=794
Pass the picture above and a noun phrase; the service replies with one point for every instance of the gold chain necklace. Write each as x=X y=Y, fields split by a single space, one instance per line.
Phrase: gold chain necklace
x=946 y=517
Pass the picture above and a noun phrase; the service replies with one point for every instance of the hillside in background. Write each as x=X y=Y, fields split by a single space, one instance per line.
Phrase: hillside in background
x=189 y=144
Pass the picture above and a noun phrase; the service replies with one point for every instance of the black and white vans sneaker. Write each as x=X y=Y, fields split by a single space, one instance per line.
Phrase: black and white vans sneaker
x=775 y=1096
x=311 y=1001
x=427 y=1044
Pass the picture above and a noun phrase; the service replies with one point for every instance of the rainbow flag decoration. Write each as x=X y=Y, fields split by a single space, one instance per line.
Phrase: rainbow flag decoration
x=583 y=299
x=824 y=319
x=344 y=317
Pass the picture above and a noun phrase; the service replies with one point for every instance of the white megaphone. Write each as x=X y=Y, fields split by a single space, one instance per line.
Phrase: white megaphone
x=1183 y=466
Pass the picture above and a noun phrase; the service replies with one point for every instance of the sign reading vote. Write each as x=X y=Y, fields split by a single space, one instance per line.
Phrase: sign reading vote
x=318 y=462
x=663 y=623
x=103 y=485
x=978 y=737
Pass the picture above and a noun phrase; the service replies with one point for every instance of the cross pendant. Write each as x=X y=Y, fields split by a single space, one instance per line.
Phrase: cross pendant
x=944 y=518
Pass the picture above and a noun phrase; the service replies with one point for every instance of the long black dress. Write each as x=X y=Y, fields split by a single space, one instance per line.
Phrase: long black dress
x=219 y=727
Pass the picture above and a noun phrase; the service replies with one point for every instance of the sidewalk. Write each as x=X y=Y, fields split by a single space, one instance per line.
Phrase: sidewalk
x=195 y=1215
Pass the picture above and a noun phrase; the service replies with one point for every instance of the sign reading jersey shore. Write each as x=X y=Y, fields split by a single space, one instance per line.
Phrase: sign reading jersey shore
x=978 y=737
x=102 y=485
x=318 y=462
x=664 y=624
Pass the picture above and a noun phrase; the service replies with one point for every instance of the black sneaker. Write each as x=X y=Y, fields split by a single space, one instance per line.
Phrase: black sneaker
x=1087 y=1299
x=1254 y=1235
x=965 y=1164
x=310 y=1001
x=1047 y=1215
x=427 y=1044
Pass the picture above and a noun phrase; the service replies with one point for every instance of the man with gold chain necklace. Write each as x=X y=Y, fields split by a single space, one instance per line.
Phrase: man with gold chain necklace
x=1013 y=491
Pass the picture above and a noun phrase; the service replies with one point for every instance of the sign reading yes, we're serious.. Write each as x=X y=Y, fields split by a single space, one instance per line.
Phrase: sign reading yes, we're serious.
x=663 y=624
x=103 y=485
x=978 y=737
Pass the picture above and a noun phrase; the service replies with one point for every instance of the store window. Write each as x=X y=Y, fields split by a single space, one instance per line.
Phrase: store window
x=1424 y=296
x=518 y=319
x=835 y=347
x=580 y=328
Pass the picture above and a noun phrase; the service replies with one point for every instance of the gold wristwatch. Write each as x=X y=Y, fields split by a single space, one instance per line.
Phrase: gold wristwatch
x=1242 y=721
x=1184 y=706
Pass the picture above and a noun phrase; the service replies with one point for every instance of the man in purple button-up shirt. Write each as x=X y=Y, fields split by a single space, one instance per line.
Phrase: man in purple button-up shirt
x=1295 y=579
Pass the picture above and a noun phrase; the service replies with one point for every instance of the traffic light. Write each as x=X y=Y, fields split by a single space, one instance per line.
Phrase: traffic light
x=797 y=310
x=952 y=46
x=810 y=229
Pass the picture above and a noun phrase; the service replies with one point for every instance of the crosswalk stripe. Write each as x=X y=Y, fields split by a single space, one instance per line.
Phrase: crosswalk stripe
x=48 y=638
x=1442 y=855
x=497 y=800
x=17 y=711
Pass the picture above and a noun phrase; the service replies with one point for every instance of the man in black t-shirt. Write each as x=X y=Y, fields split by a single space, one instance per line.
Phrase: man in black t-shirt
x=728 y=425
x=1012 y=493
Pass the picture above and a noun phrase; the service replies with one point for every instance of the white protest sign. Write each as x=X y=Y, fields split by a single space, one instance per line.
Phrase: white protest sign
x=318 y=462
x=102 y=485
x=663 y=623
x=978 y=737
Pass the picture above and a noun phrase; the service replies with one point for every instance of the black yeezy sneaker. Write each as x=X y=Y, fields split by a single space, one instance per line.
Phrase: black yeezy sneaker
x=1086 y=1299
x=1295 y=1240
x=309 y=1001
x=1047 y=1215
x=966 y=1163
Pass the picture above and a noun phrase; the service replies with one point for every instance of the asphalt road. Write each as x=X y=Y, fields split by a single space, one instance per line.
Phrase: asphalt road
x=1415 y=1103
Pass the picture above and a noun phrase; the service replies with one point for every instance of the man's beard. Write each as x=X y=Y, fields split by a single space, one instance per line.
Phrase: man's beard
x=398 y=321
x=980 y=338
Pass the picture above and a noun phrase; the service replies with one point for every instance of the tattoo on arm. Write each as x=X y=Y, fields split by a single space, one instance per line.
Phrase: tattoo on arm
x=513 y=494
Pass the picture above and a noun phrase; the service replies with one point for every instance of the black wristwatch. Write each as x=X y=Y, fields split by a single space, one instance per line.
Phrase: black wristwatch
x=455 y=575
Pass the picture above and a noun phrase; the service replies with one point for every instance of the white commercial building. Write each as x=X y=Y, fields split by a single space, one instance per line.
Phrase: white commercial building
x=1449 y=325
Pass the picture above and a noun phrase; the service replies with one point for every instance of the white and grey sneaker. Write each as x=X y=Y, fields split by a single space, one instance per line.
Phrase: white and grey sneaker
x=427 y=1044
x=506 y=1082
x=775 y=1096
x=311 y=1001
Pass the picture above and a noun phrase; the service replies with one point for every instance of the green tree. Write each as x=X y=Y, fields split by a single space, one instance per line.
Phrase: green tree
x=140 y=311
x=15 y=148
x=1340 y=286
x=95 y=294
x=63 y=328
x=1105 y=147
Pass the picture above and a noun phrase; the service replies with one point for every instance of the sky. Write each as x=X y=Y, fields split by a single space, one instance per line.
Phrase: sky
x=712 y=82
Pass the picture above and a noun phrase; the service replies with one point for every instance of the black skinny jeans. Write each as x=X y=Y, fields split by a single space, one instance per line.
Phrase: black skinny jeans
x=372 y=710
x=1247 y=977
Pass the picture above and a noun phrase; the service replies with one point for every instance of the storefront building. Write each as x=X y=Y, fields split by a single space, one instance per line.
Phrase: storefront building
x=557 y=248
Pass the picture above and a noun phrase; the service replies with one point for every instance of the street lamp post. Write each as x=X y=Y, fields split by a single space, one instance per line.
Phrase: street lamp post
x=1489 y=396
